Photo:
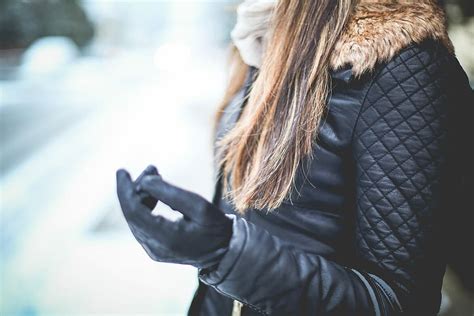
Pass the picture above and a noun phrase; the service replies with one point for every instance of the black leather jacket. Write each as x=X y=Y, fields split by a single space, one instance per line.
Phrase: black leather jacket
x=369 y=231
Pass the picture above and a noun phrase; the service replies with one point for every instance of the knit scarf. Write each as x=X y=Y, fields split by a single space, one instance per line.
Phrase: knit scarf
x=250 y=33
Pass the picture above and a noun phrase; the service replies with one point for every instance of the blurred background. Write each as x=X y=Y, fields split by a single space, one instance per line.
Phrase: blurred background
x=87 y=87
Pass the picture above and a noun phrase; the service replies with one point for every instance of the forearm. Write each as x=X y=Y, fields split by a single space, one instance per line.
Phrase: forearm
x=261 y=272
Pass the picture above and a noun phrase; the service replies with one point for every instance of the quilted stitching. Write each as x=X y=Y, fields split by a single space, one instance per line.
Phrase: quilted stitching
x=398 y=148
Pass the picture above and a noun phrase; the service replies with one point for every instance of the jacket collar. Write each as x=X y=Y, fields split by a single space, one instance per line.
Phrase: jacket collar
x=378 y=30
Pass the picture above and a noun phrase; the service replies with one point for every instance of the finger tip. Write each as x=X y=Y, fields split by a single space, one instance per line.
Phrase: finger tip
x=121 y=173
x=151 y=169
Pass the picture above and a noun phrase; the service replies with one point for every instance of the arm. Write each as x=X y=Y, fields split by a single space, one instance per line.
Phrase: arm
x=278 y=280
x=398 y=150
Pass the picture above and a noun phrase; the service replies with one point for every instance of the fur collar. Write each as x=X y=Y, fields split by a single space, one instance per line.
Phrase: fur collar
x=380 y=29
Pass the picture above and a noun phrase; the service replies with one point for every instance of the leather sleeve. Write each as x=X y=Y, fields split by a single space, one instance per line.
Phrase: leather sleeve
x=274 y=279
x=398 y=153
x=400 y=150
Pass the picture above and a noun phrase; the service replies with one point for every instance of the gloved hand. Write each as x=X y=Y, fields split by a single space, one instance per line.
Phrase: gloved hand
x=199 y=238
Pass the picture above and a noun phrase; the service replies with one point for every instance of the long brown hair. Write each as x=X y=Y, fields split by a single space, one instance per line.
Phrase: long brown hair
x=279 y=124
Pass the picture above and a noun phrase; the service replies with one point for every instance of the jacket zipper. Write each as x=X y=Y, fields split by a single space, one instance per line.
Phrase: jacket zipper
x=237 y=308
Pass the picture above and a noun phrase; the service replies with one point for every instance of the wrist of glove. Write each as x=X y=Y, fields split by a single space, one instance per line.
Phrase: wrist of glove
x=199 y=238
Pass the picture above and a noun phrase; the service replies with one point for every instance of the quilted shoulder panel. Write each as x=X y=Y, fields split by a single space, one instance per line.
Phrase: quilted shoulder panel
x=399 y=150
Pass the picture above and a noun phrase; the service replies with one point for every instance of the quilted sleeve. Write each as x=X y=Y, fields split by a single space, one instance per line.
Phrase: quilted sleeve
x=400 y=153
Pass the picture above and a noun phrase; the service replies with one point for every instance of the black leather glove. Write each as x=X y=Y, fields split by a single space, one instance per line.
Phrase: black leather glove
x=199 y=238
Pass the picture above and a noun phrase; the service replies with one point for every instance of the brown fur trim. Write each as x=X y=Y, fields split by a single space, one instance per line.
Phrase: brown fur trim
x=380 y=29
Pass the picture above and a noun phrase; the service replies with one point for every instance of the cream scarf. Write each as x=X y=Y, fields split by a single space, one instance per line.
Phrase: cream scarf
x=250 y=33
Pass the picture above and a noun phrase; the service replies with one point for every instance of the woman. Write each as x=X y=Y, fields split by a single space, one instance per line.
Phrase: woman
x=342 y=154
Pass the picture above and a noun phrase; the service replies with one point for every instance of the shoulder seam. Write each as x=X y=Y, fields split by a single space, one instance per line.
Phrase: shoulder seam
x=376 y=75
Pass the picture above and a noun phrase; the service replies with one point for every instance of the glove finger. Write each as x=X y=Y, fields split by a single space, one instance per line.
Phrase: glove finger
x=124 y=191
x=124 y=182
x=155 y=224
x=154 y=245
x=150 y=170
x=146 y=199
x=130 y=201
x=146 y=226
x=190 y=204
